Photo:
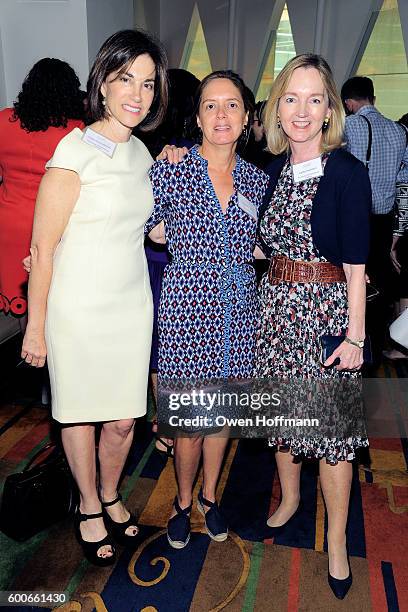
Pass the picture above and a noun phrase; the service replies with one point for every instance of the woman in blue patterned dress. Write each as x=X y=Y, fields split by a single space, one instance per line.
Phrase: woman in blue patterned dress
x=316 y=227
x=207 y=205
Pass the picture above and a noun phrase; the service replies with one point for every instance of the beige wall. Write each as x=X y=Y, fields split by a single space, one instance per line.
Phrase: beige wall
x=3 y=96
x=71 y=30
x=32 y=30
x=105 y=17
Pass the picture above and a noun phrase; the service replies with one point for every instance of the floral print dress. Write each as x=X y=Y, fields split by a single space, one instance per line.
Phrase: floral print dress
x=294 y=316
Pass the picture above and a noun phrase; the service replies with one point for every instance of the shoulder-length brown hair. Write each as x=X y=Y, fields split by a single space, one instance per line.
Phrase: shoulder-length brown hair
x=115 y=55
x=332 y=137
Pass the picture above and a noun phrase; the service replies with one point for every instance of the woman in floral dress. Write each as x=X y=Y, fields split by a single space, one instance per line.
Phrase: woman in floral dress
x=208 y=207
x=315 y=226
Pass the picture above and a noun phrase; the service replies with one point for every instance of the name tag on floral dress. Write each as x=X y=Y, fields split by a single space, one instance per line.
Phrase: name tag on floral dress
x=307 y=170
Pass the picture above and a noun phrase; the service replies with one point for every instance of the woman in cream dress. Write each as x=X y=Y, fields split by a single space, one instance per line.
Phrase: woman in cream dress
x=90 y=304
x=99 y=309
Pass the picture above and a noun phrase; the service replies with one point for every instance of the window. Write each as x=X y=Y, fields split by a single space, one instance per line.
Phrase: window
x=195 y=57
x=280 y=50
x=385 y=62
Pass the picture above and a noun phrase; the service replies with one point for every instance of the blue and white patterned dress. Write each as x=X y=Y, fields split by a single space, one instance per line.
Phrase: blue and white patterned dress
x=208 y=313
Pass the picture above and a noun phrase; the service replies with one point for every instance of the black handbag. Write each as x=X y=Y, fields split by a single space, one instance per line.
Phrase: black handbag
x=330 y=343
x=39 y=496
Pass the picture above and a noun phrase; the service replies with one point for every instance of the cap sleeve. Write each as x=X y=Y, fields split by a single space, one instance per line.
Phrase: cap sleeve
x=67 y=155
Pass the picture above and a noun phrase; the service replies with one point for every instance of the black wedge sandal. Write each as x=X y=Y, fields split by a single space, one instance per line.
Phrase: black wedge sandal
x=168 y=453
x=91 y=548
x=119 y=529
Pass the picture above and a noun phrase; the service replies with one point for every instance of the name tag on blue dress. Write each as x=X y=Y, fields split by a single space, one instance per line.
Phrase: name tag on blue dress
x=247 y=206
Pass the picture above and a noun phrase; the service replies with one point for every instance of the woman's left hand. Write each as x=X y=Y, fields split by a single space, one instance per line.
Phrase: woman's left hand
x=173 y=154
x=351 y=357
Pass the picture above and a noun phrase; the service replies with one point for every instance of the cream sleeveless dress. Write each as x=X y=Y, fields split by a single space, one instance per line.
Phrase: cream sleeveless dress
x=100 y=310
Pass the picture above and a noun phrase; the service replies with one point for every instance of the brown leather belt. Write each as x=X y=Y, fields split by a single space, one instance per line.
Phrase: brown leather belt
x=282 y=269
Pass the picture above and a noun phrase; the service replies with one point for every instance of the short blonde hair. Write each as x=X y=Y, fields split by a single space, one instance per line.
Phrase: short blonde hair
x=332 y=137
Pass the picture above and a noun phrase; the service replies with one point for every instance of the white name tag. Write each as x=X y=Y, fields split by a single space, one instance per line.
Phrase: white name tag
x=307 y=170
x=247 y=206
x=100 y=142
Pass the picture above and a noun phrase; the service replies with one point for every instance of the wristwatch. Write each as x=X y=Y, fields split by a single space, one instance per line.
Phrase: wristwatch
x=358 y=343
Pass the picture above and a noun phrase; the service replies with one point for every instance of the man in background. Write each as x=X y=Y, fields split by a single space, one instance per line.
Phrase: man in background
x=381 y=144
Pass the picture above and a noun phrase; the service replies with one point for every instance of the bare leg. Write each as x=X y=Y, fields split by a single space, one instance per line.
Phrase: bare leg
x=114 y=444
x=159 y=445
x=153 y=378
x=336 y=483
x=79 y=446
x=289 y=476
x=187 y=453
x=213 y=454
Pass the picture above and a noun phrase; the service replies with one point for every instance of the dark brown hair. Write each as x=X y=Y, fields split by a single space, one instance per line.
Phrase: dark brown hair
x=115 y=55
x=358 y=88
x=246 y=95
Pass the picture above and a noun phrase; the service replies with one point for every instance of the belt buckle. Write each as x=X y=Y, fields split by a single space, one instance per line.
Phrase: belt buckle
x=313 y=269
x=288 y=270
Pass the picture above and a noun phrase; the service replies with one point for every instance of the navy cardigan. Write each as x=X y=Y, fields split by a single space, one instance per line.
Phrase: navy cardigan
x=340 y=218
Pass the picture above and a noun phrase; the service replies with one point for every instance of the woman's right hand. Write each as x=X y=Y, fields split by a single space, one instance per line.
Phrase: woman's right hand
x=34 y=350
x=173 y=154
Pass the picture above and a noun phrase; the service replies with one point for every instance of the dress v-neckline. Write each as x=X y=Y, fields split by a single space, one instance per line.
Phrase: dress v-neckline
x=214 y=194
x=209 y=183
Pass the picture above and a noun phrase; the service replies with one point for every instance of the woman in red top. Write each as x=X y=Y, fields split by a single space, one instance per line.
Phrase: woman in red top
x=49 y=105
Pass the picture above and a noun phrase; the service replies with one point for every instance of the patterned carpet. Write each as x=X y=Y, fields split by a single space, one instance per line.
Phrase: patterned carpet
x=249 y=571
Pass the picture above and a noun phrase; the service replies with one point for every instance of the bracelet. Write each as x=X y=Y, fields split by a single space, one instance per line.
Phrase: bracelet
x=358 y=343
